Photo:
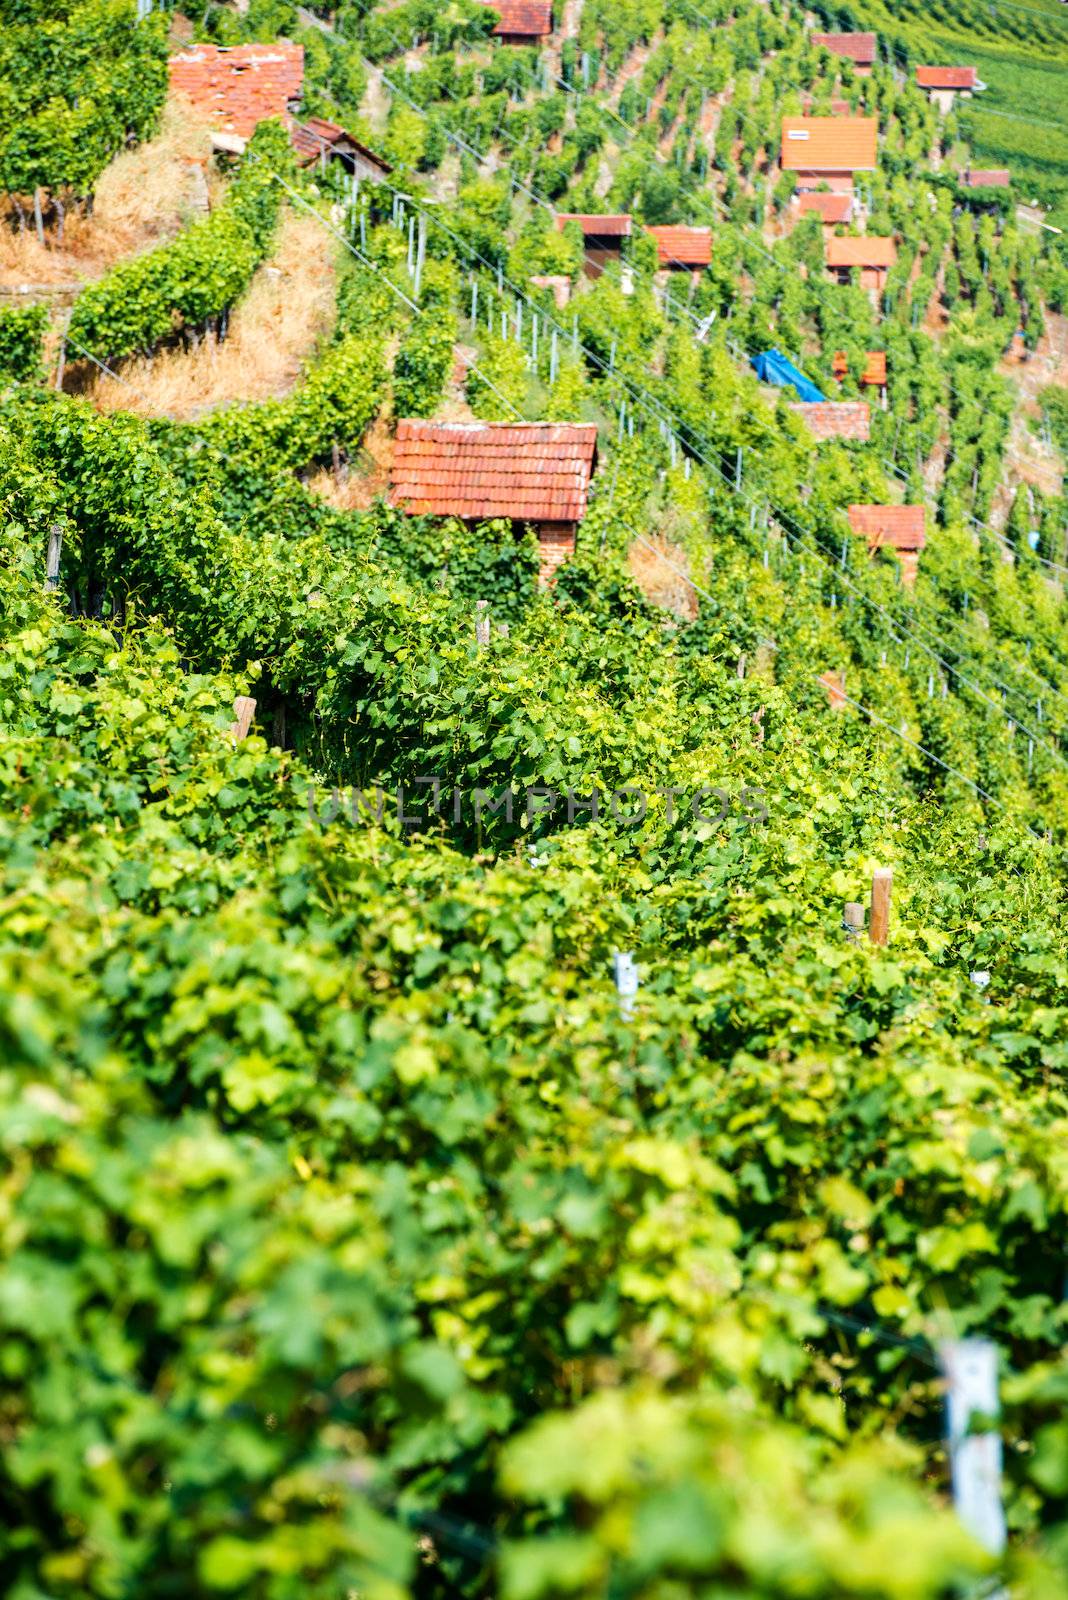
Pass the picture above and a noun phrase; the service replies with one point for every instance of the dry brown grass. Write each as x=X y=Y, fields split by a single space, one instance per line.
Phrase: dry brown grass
x=275 y=328
x=661 y=571
x=145 y=195
x=364 y=481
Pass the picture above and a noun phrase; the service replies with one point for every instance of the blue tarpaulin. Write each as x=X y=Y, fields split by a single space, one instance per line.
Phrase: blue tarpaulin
x=773 y=367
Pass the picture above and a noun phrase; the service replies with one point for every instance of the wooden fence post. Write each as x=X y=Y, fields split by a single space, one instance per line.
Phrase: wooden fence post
x=853 y=920
x=482 y=623
x=879 y=924
x=244 y=711
x=61 y=364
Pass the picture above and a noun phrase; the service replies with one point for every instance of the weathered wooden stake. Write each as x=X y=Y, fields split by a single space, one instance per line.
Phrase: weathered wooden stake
x=244 y=711
x=62 y=363
x=482 y=623
x=55 y=550
x=879 y=924
x=853 y=921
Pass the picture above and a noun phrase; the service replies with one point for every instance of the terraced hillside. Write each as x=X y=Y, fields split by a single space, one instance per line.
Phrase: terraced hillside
x=533 y=711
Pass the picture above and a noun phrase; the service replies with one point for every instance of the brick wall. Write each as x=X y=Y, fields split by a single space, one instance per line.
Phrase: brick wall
x=556 y=544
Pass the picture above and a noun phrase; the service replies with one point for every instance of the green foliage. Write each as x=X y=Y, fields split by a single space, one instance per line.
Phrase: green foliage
x=459 y=21
x=542 y=250
x=425 y=357
x=280 y=1082
x=22 y=329
x=490 y=561
x=497 y=387
x=75 y=84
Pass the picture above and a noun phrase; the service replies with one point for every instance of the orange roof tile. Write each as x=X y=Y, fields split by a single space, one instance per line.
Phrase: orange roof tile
x=946 y=77
x=683 y=247
x=527 y=471
x=867 y=251
x=874 y=370
x=595 y=227
x=241 y=87
x=831 y=207
x=836 y=419
x=859 y=47
x=890 y=527
x=527 y=19
x=830 y=144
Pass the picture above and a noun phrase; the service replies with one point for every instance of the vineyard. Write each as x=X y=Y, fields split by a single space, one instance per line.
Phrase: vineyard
x=534 y=844
x=1021 y=51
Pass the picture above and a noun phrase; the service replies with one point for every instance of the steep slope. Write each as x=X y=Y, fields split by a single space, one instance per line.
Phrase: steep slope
x=371 y=1225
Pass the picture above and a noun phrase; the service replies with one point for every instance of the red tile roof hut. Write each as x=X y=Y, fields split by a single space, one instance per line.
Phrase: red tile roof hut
x=856 y=47
x=239 y=88
x=317 y=141
x=683 y=249
x=828 y=150
x=874 y=256
x=522 y=21
x=602 y=237
x=944 y=84
x=536 y=474
x=898 y=528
